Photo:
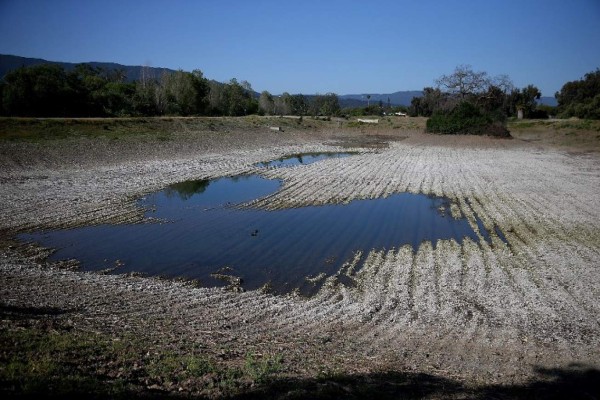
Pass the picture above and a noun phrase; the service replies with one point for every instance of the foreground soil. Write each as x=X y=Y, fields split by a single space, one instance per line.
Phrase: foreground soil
x=502 y=319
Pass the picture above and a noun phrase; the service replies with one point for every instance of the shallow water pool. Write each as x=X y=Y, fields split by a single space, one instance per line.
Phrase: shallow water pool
x=203 y=232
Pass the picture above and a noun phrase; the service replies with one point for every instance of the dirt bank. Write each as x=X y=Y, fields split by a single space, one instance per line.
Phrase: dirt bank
x=476 y=314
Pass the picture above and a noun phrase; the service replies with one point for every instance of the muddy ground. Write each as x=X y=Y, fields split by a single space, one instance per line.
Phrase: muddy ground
x=504 y=319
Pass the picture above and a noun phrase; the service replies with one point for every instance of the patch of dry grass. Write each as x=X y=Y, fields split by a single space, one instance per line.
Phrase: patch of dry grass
x=572 y=134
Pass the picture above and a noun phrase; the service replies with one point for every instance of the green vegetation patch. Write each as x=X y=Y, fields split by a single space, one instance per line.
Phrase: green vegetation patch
x=581 y=98
x=557 y=125
x=466 y=118
x=35 y=129
x=50 y=363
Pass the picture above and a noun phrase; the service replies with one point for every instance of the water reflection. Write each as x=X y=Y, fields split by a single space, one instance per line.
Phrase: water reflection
x=187 y=189
x=302 y=159
x=281 y=247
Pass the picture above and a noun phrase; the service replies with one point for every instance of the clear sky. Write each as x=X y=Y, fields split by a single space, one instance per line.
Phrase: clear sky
x=317 y=46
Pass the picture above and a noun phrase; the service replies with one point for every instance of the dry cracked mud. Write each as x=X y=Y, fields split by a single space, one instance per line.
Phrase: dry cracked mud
x=477 y=312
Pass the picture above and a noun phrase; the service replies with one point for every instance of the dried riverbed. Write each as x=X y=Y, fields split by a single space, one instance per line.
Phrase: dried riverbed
x=477 y=312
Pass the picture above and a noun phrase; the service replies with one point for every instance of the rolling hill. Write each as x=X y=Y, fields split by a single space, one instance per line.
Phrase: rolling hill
x=132 y=73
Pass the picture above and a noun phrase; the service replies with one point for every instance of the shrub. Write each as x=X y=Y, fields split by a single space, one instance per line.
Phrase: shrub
x=538 y=114
x=467 y=118
x=551 y=111
x=590 y=109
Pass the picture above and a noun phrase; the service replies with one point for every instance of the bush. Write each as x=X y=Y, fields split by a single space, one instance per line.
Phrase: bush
x=538 y=114
x=590 y=109
x=551 y=111
x=466 y=118
x=581 y=98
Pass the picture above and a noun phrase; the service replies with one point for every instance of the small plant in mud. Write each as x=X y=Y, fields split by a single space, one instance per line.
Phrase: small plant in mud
x=169 y=369
x=261 y=370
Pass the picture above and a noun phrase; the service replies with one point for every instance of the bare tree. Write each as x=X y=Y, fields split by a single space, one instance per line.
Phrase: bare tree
x=215 y=97
x=282 y=104
x=146 y=75
x=266 y=103
x=504 y=83
x=464 y=81
x=246 y=86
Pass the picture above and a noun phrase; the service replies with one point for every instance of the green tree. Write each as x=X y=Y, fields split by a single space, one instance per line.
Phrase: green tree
x=433 y=99
x=101 y=92
x=415 y=109
x=580 y=98
x=471 y=104
x=88 y=85
x=143 y=101
x=523 y=99
x=238 y=98
x=117 y=99
x=298 y=104
x=39 y=91
x=234 y=98
x=327 y=104
x=202 y=89
x=251 y=103
x=47 y=90
x=216 y=98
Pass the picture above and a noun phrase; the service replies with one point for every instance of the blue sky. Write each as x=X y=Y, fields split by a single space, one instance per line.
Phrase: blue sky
x=317 y=46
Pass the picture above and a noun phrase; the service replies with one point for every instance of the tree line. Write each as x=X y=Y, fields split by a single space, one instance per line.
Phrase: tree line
x=49 y=91
x=498 y=98
x=472 y=102
x=492 y=94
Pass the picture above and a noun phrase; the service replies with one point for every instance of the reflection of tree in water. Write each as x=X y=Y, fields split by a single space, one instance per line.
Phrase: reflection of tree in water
x=302 y=159
x=187 y=189
x=440 y=204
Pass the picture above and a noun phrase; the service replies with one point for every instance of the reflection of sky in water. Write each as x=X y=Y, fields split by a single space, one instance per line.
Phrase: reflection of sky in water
x=204 y=233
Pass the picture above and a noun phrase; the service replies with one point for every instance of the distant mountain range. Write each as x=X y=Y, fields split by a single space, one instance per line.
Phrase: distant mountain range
x=548 y=101
x=134 y=73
